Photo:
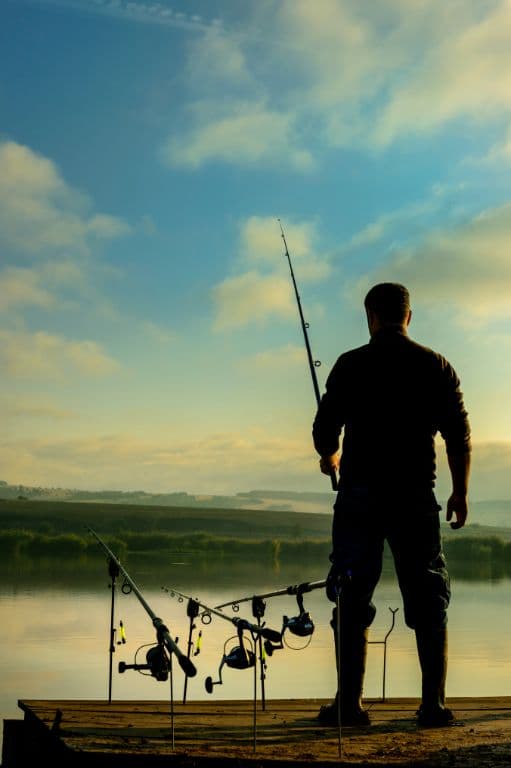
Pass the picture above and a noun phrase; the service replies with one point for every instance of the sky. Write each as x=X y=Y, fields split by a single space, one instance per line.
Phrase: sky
x=149 y=333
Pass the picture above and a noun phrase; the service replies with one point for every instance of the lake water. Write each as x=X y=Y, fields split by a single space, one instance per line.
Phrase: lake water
x=54 y=641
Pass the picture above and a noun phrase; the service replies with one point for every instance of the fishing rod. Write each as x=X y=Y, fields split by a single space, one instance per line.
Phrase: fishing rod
x=301 y=625
x=313 y=364
x=256 y=629
x=293 y=589
x=157 y=661
x=239 y=656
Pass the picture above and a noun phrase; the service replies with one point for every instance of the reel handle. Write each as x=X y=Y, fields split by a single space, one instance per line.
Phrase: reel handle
x=209 y=683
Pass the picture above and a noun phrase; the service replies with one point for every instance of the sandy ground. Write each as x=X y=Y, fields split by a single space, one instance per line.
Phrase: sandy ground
x=285 y=733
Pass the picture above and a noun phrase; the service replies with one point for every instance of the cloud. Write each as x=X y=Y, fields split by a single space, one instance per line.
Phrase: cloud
x=39 y=285
x=489 y=475
x=262 y=244
x=147 y=13
x=26 y=355
x=40 y=213
x=466 y=73
x=22 y=287
x=16 y=409
x=490 y=471
x=158 y=333
x=297 y=78
x=497 y=154
x=250 y=298
x=264 y=290
x=282 y=358
x=229 y=461
x=466 y=267
x=250 y=134
x=413 y=217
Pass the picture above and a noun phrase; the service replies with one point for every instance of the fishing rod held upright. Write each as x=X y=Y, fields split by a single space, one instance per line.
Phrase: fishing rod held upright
x=162 y=631
x=313 y=364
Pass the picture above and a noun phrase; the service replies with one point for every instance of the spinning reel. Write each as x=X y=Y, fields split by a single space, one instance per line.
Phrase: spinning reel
x=157 y=662
x=300 y=626
x=239 y=657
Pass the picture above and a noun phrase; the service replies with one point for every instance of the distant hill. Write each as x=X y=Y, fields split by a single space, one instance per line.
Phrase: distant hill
x=493 y=513
x=282 y=501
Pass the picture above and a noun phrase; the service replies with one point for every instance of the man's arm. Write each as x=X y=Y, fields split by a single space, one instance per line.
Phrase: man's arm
x=455 y=429
x=328 y=424
x=457 y=504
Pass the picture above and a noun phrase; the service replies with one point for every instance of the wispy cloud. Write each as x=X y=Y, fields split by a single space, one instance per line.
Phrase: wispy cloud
x=302 y=78
x=439 y=199
x=147 y=13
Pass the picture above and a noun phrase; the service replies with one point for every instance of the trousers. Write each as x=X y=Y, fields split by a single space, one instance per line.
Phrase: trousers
x=363 y=521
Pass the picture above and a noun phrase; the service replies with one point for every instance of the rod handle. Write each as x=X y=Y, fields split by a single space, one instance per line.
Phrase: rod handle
x=187 y=666
x=333 y=480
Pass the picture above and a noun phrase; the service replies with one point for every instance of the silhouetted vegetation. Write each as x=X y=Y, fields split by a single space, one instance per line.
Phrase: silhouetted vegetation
x=177 y=536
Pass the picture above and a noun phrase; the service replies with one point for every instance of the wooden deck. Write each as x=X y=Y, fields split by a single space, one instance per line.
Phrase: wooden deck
x=209 y=734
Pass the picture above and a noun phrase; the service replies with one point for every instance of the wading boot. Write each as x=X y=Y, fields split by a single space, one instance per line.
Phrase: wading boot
x=353 y=662
x=432 y=650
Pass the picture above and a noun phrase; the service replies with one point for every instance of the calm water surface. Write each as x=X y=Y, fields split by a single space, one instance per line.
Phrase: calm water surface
x=54 y=643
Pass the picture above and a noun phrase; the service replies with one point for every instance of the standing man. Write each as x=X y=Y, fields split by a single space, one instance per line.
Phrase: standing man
x=391 y=397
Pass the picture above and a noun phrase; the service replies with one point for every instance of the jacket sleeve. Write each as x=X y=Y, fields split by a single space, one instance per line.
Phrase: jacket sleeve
x=329 y=419
x=453 y=424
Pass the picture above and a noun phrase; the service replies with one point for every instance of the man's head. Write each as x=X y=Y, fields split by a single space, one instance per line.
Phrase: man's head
x=387 y=305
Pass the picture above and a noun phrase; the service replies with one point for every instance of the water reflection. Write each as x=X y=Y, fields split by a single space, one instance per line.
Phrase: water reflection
x=55 y=634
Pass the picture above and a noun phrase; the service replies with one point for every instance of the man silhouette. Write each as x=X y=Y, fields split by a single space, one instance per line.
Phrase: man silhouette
x=390 y=398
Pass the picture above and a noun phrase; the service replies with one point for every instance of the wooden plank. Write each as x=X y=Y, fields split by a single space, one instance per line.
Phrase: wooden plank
x=209 y=733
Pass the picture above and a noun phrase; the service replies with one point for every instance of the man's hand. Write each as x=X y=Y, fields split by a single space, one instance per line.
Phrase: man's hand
x=457 y=505
x=329 y=464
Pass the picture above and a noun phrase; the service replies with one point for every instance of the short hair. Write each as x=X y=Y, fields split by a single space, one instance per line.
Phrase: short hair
x=390 y=302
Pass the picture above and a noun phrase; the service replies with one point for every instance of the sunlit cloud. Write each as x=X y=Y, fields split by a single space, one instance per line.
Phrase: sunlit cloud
x=463 y=74
x=250 y=298
x=29 y=355
x=125 y=461
x=17 y=409
x=158 y=333
x=490 y=471
x=466 y=267
x=261 y=243
x=265 y=292
x=22 y=287
x=333 y=76
x=40 y=212
x=250 y=134
x=282 y=358
x=39 y=286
